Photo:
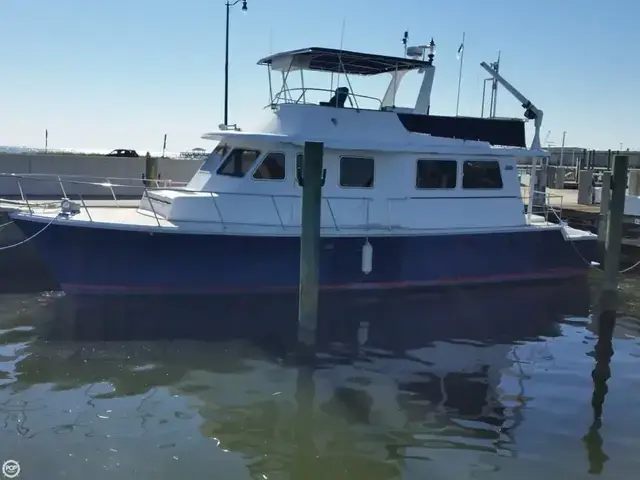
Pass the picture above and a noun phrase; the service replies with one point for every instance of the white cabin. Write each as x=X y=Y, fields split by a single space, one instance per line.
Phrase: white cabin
x=389 y=170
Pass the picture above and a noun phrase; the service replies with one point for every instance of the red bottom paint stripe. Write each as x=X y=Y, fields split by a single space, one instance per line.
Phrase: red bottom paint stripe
x=161 y=289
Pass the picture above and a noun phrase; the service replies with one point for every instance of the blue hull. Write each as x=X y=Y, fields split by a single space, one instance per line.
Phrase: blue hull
x=101 y=261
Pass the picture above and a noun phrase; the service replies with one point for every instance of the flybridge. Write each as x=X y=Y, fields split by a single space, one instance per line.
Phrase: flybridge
x=506 y=132
x=341 y=61
x=348 y=63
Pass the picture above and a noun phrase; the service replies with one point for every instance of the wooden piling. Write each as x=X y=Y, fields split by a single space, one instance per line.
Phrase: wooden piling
x=585 y=187
x=605 y=199
x=608 y=306
x=151 y=170
x=312 y=179
x=634 y=182
x=609 y=293
x=541 y=183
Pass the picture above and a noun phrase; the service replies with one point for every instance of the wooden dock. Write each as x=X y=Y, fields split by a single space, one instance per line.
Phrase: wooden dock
x=566 y=200
x=586 y=217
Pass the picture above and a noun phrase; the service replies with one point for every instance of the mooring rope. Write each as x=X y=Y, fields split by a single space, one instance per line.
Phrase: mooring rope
x=22 y=242
x=6 y=224
x=591 y=264
x=626 y=270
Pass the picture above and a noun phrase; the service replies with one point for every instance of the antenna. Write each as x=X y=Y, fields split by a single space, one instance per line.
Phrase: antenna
x=405 y=39
x=344 y=20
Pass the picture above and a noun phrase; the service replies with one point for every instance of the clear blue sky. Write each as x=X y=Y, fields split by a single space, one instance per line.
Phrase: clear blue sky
x=122 y=73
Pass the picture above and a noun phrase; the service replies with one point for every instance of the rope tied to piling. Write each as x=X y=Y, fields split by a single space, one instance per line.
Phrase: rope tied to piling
x=630 y=268
x=595 y=266
x=563 y=224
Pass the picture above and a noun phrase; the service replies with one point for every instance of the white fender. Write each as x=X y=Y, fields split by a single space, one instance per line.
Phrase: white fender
x=367 y=258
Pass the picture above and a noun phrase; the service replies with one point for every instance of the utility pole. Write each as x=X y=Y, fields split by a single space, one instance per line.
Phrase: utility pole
x=564 y=136
x=226 y=59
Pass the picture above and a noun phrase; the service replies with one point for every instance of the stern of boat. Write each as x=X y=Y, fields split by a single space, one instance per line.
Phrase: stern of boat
x=584 y=243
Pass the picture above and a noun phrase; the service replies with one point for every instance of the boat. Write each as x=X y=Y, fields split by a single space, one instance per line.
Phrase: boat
x=410 y=199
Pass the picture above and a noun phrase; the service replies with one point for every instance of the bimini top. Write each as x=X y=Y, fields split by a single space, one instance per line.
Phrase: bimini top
x=341 y=61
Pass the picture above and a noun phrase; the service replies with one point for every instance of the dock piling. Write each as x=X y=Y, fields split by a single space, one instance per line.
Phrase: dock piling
x=605 y=199
x=607 y=305
x=585 y=187
x=613 y=243
x=312 y=176
x=634 y=182
x=540 y=183
x=583 y=160
x=151 y=170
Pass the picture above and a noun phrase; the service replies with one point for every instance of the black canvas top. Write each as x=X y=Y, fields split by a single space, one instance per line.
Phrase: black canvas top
x=344 y=61
x=497 y=131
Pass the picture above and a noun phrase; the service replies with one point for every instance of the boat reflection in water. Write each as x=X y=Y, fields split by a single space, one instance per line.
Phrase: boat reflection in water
x=398 y=381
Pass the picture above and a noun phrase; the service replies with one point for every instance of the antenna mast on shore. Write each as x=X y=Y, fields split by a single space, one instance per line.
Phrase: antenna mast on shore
x=405 y=41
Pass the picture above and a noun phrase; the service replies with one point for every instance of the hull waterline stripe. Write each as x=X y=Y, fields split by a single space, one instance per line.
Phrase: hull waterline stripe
x=130 y=289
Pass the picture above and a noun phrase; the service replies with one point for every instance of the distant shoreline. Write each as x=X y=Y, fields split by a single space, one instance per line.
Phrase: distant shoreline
x=188 y=155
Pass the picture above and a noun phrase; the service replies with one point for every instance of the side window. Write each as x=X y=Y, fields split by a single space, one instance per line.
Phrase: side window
x=213 y=159
x=481 y=174
x=356 y=172
x=271 y=168
x=221 y=149
x=238 y=163
x=436 y=174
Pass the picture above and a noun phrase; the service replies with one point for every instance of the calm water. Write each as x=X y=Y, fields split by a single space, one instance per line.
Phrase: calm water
x=448 y=384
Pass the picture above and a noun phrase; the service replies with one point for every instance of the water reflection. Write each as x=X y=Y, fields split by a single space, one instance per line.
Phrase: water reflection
x=603 y=352
x=404 y=386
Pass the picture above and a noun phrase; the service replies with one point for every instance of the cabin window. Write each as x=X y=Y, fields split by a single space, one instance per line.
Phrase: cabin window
x=221 y=149
x=481 y=175
x=271 y=168
x=238 y=163
x=356 y=172
x=214 y=158
x=436 y=174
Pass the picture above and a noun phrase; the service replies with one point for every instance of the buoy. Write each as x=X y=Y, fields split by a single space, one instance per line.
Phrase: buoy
x=367 y=258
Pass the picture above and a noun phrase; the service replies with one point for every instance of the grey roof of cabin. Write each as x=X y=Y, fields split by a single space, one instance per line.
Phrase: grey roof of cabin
x=344 y=61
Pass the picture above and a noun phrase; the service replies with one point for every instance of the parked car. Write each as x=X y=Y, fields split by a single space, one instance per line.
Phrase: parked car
x=123 y=152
